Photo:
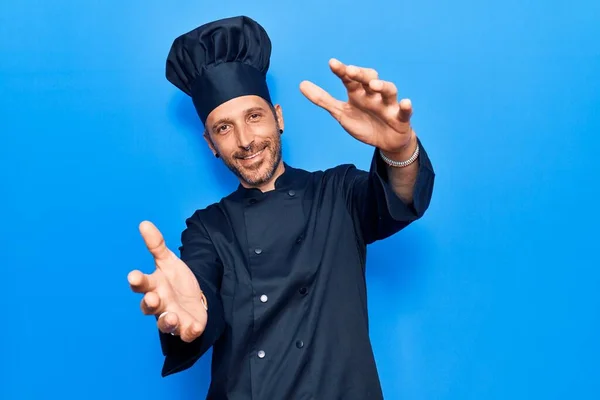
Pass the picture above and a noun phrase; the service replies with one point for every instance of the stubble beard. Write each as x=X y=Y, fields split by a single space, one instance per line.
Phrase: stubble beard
x=262 y=172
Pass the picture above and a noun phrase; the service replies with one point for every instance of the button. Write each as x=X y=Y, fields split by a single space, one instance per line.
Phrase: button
x=252 y=201
x=261 y=354
x=264 y=298
x=299 y=239
x=303 y=291
x=291 y=193
x=299 y=344
x=258 y=251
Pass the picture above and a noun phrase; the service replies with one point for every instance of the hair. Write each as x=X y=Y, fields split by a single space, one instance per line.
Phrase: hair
x=272 y=107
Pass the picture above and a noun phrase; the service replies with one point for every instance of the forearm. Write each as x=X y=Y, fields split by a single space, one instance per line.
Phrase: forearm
x=402 y=180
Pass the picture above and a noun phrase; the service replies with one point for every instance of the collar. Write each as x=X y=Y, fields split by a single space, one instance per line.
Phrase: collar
x=290 y=178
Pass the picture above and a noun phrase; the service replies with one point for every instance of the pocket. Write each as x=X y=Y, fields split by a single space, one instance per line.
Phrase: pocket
x=228 y=283
x=227 y=293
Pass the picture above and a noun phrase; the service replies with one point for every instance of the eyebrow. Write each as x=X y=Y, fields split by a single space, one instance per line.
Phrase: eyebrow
x=229 y=120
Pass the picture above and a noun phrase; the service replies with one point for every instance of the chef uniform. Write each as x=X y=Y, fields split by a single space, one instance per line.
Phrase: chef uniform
x=284 y=270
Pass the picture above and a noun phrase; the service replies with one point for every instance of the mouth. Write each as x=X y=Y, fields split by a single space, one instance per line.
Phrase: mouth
x=250 y=157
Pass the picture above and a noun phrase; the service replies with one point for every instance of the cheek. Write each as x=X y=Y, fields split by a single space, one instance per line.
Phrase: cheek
x=225 y=145
x=264 y=129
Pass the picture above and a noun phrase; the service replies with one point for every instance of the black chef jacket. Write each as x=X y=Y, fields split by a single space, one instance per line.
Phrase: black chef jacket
x=284 y=276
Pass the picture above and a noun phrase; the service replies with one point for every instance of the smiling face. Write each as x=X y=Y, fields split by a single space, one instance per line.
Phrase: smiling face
x=245 y=133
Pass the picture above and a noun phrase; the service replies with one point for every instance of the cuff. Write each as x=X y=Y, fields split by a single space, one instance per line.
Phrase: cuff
x=181 y=355
x=422 y=192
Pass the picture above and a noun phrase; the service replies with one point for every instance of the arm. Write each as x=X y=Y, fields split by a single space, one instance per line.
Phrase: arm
x=386 y=199
x=198 y=252
x=402 y=180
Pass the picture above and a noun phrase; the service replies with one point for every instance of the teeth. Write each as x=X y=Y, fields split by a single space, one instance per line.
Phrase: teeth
x=252 y=156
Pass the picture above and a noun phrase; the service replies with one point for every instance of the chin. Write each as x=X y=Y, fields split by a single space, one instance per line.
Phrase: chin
x=257 y=177
x=259 y=172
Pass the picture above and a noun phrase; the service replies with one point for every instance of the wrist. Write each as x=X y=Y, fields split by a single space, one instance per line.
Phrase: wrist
x=403 y=153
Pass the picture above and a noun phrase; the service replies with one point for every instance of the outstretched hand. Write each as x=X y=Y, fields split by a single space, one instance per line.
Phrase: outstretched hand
x=372 y=113
x=171 y=292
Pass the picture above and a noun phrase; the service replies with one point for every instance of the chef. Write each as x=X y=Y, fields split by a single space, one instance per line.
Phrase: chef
x=272 y=276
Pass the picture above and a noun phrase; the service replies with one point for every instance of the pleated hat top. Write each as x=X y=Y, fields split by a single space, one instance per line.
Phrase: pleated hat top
x=219 y=61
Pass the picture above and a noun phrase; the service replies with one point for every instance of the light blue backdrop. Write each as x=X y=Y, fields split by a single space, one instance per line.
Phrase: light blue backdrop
x=494 y=294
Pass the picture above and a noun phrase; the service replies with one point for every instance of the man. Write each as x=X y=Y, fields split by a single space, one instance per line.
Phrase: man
x=273 y=275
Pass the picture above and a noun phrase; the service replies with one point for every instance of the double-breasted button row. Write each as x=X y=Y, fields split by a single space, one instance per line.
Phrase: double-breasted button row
x=262 y=354
x=290 y=193
x=264 y=298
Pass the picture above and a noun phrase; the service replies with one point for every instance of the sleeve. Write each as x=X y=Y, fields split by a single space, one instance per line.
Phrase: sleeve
x=376 y=209
x=198 y=252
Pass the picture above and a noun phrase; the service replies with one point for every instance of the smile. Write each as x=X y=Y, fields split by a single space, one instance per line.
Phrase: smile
x=253 y=155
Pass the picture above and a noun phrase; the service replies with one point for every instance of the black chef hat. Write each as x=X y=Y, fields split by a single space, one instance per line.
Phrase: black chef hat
x=219 y=61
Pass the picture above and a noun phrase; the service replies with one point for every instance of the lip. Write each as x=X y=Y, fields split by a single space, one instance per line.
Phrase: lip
x=251 y=159
x=253 y=155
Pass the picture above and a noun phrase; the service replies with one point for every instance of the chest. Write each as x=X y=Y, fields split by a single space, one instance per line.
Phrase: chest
x=269 y=229
x=278 y=240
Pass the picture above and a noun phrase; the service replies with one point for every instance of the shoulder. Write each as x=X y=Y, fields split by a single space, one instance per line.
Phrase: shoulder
x=339 y=174
x=201 y=225
x=207 y=216
x=216 y=215
x=331 y=173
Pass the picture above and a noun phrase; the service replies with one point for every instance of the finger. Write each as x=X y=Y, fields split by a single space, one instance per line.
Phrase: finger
x=339 y=69
x=406 y=110
x=168 y=322
x=321 y=98
x=154 y=240
x=151 y=304
x=140 y=282
x=388 y=91
x=362 y=75
x=191 y=332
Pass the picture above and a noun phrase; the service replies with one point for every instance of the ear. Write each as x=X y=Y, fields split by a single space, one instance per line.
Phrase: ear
x=210 y=143
x=279 y=113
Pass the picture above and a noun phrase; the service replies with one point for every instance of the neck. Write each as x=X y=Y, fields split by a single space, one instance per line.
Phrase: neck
x=270 y=184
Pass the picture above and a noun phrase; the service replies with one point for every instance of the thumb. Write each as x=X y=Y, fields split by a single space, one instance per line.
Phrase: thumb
x=155 y=241
x=321 y=98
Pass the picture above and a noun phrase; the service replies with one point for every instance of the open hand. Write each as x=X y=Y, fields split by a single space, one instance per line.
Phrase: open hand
x=171 y=292
x=372 y=113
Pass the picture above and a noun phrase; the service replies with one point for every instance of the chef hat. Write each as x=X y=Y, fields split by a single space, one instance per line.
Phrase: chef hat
x=219 y=61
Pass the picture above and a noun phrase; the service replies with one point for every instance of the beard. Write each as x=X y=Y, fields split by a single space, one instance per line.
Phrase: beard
x=261 y=171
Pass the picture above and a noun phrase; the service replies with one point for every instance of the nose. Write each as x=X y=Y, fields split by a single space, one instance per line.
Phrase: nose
x=245 y=138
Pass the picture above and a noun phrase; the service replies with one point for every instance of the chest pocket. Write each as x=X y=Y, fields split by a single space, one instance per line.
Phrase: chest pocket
x=228 y=282
x=227 y=292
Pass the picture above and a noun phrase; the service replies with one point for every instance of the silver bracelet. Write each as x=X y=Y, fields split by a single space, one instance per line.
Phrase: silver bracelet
x=400 y=164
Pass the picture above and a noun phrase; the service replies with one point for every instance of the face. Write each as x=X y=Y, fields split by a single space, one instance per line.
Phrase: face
x=245 y=133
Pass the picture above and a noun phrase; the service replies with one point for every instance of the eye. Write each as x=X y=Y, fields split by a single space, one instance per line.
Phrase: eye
x=222 y=128
x=254 y=116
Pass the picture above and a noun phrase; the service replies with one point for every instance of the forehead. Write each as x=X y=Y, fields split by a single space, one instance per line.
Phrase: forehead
x=236 y=107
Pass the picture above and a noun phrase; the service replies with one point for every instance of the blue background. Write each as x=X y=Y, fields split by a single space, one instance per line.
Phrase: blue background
x=492 y=295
